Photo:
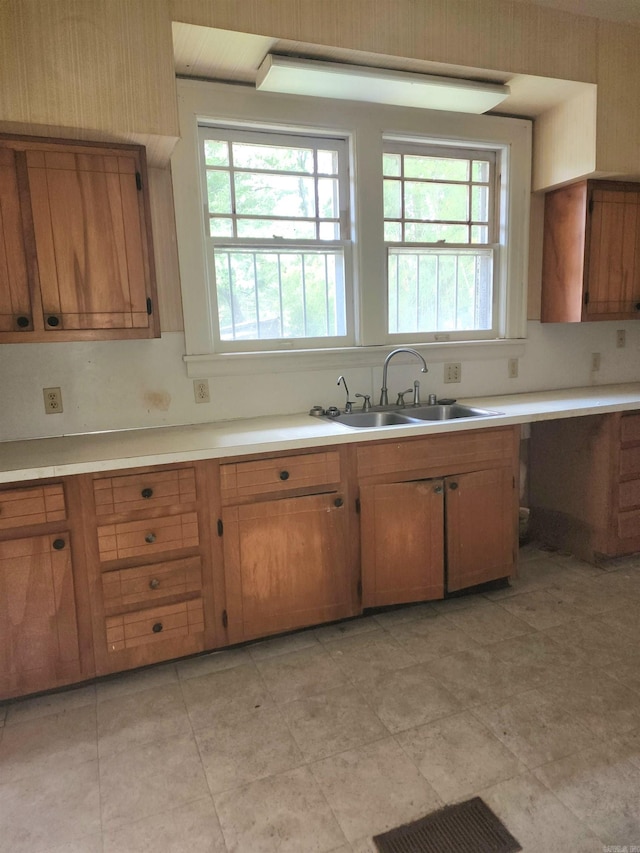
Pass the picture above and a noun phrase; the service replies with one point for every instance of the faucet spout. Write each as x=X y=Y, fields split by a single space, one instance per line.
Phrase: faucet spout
x=384 y=397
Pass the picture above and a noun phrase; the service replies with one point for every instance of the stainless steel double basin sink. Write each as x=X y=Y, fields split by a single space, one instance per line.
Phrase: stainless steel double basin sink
x=411 y=415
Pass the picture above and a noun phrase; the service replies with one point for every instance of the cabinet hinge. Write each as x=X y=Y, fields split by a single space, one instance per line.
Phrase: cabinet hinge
x=586 y=298
x=149 y=306
x=225 y=619
x=138 y=180
x=220 y=527
x=357 y=504
x=360 y=589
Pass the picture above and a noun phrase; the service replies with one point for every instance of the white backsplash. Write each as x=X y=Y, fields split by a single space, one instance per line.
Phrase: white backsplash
x=129 y=384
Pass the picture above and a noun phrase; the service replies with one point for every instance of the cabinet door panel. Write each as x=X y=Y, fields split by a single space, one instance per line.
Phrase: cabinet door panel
x=89 y=240
x=612 y=278
x=481 y=527
x=402 y=542
x=38 y=629
x=285 y=565
x=15 y=298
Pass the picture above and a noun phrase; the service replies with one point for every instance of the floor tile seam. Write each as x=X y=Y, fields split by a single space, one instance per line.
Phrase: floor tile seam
x=567 y=805
x=532 y=767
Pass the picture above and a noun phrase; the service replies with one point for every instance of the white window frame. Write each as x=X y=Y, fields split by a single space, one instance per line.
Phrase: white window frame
x=365 y=125
x=210 y=130
x=428 y=146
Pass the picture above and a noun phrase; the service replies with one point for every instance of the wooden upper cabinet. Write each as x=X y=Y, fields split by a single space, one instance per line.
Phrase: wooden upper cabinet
x=77 y=253
x=591 y=254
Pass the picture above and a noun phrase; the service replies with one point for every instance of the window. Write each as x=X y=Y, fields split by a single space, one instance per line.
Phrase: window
x=440 y=234
x=312 y=232
x=277 y=227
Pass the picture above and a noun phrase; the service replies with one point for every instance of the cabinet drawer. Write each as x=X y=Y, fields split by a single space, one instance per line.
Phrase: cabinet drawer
x=155 y=624
x=436 y=455
x=630 y=428
x=629 y=461
x=135 y=492
x=279 y=474
x=150 y=536
x=21 y=507
x=144 y=585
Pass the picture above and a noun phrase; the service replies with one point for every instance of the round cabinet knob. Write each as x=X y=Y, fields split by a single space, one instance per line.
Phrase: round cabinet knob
x=453 y=486
x=157 y=628
x=23 y=322
x=637 y=306
x=150 y=538
x=53 y=321
x=438 y=490
x=146 y=493
x=338 y=502
x=154 y=583
x=284 y=475
x=58 y=544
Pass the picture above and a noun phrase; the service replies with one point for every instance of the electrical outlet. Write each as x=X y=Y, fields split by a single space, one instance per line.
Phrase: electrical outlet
x=595 y=361
x=201 y=391
x=453 y=371
x=513 y=368
x=52 y=401
x=621 y=338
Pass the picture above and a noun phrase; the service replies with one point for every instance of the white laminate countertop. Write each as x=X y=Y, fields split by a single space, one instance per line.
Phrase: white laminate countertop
x=109 y=451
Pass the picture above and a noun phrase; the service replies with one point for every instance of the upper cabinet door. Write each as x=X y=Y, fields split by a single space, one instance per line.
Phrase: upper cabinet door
x=85 y=215
x=16 y=313
x=591 y=254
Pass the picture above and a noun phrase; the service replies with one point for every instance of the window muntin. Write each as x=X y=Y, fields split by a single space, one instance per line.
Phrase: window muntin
x=276 y=219
x=439 y=230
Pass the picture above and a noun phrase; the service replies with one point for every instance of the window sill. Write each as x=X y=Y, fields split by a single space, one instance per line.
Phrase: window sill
x=239 y=364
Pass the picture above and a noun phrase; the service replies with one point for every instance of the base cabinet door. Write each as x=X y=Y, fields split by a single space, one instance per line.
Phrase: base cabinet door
x=402 y=528
x=480 y=527
x=39 y=646
x=286 y=564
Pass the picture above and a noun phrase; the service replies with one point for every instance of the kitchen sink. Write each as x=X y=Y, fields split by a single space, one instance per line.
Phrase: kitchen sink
x=440 y=412
x=372 y=419
x=411 y=416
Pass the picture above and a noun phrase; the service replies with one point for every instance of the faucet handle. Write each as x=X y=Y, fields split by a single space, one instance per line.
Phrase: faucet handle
x=366 y=406
x=400 y=400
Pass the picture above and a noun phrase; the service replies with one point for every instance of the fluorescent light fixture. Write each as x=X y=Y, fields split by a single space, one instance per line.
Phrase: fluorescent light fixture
x=376 y=85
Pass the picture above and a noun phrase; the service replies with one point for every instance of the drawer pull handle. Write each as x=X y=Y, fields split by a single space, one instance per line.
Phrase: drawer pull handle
x=150 y=538
x=23 y=322
x=453 y=486
x=59 y=544
x=637 y=306
x=154 y=583
x=437 y=490
x=284 y=475
x=157 y=628
x=338 y=502
x=146 y=493
x=53 y=321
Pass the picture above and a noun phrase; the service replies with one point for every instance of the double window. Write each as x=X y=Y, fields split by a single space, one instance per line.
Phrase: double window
x=327 y=226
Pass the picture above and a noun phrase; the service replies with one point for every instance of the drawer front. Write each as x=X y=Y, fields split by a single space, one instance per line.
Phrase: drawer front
x=154 y=625
x=436 y=455
x=630 y=428
x=280 y=474
x=629 y=461
x=22 y=507
x=629 y=494
x=136 y=492
x=144 y=585
x=150 y=536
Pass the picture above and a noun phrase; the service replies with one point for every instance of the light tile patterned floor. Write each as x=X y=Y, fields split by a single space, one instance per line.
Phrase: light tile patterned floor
x=527 y=696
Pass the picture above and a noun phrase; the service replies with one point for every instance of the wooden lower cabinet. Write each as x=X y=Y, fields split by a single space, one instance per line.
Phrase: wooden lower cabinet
x=286 y=564
x=39 y=645
x=436 y=531
x=584 y=484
